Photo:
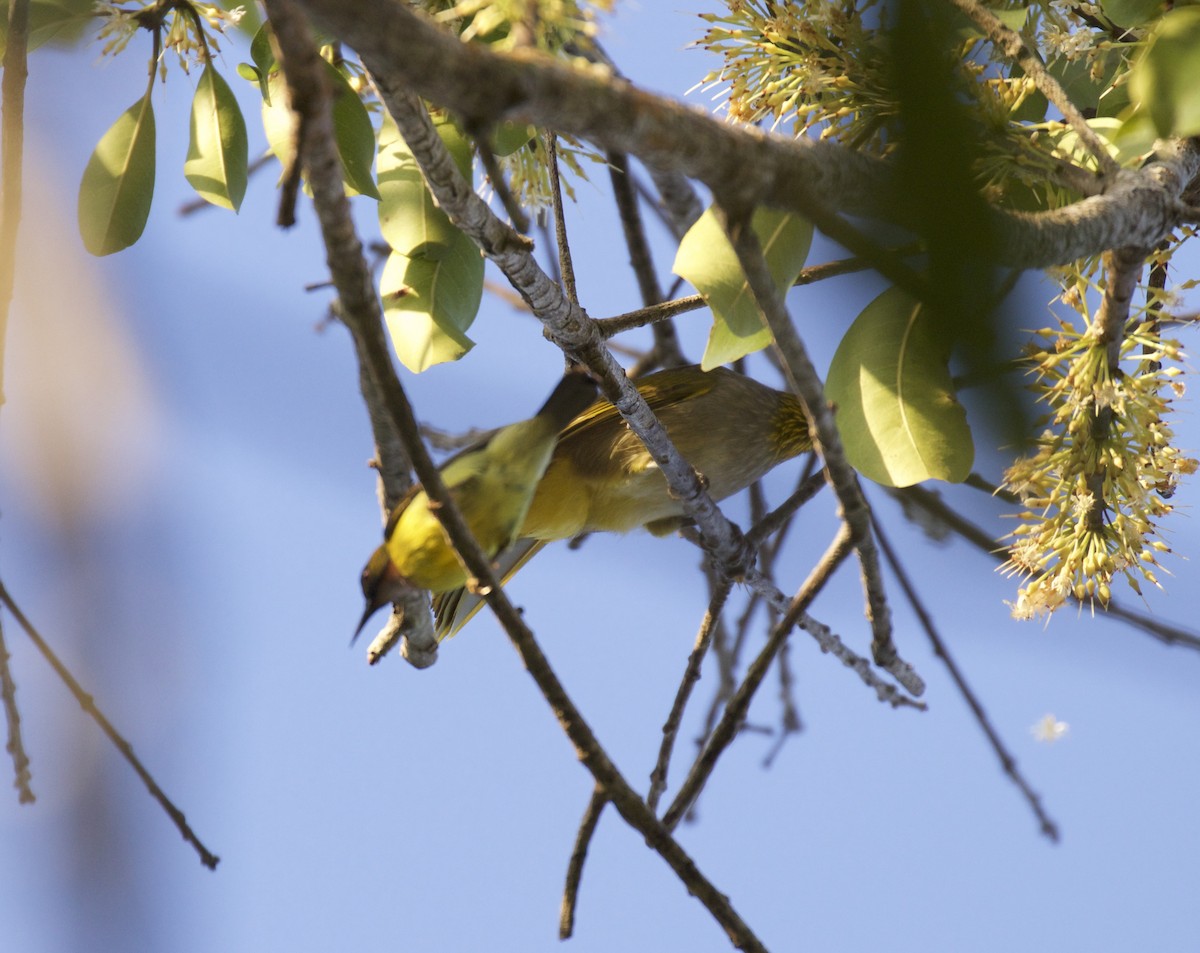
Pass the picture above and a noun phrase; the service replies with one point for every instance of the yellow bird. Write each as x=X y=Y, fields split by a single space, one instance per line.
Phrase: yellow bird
x=731 y=428
x=492 y=483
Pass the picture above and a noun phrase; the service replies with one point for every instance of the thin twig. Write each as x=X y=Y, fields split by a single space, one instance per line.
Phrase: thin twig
x=12 y=714
x=1007 y=761
x=495 y=174
x=565 y=265
x=583 y=838
x=88 y=704
x=666 y=342
x=1122 y=268
x=197 y=205
x=936 y=507
x=735 y=711
x=668 y=309
x=691 y=675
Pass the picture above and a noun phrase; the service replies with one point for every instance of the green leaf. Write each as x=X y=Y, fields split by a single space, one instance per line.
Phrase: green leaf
x=707 y=260
x=218 y=152
x=1131 y=13
x=1165 y=79
x=118 y=182
x=278 y=120
x=51 y=22
x=891 y=386
x=429 y=303
x=508 y=137
x=263 y=56
x=354 y=134
x=409 y=218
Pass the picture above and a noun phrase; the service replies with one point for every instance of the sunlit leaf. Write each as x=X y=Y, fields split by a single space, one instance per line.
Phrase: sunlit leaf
x=707 y=260
x=409 y=218
x=278 y=121
x=118 y=182
x=1165 y=79
x=355 y=137
x=354 y=134
x=429 y=303
x=218 y=149
x=896 y=409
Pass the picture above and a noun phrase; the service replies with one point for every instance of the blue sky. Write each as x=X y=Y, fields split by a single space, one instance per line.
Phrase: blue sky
x=189 y=536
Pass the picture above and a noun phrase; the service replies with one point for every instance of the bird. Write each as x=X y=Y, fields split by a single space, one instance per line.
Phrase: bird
x=492 y=482
x=601 y=478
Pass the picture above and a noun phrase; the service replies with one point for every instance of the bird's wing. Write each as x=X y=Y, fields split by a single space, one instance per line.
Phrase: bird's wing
x=452 y=610
x=660 y=390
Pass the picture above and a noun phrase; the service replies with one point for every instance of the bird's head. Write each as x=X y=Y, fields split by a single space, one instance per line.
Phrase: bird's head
x=381 y=584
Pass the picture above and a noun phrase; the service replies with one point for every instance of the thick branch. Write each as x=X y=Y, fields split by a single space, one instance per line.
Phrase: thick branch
x=404 y=48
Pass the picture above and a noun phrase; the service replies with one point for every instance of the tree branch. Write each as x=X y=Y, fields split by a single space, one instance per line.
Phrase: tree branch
x=88 y=704
x=1007 y=762
x=404 y=47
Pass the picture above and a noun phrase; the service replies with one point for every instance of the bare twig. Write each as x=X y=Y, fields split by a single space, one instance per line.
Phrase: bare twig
x=88 y=704
x=933 y=505
x=668 y=309
x=691 y=675
x=735 y=711
x=583 y=838
x=1007 y=761
x=12 y=714
x=1122 y=268
x=666 y=342
x=566 y=267
x=197 y=205
x=495 y=175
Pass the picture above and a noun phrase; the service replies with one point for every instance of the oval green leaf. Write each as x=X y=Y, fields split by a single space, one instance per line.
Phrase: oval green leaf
x=354 y=134
x=1165 y=79
x=409 y=218
x=707 y=260
x=218 y=151
x=896 y=410
x=429 y=303
x=263 y=56
x=118 y=182
x=1131 y=13
x=278 y=121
